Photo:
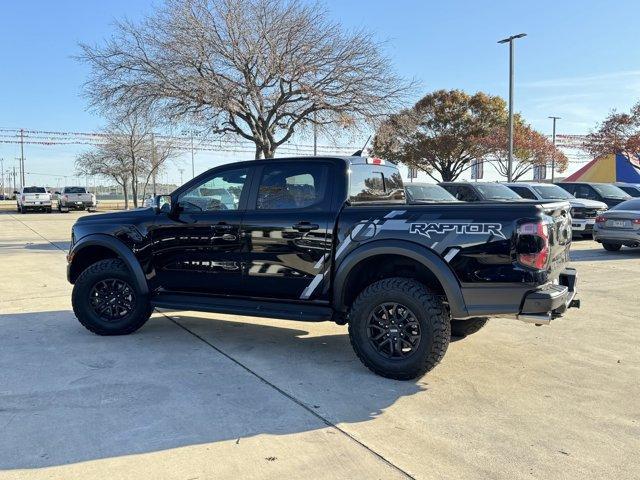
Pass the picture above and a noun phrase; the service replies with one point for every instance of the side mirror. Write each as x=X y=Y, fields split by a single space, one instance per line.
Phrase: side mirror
x=163 y=203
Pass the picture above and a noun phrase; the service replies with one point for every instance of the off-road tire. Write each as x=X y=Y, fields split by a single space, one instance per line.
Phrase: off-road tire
x=612 y=247
x=429 y=310
x=112 y=268
x=463 y=328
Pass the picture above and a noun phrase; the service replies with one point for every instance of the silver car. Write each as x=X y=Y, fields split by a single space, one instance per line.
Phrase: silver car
x=619 y=226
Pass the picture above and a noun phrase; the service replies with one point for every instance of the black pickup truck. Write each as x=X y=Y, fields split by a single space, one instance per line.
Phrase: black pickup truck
x=326 y=238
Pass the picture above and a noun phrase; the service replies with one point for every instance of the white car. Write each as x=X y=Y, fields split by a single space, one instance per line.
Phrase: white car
x=583 y=210
x=33 y=198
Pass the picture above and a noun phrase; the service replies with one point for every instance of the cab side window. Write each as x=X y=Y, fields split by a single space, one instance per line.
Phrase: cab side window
x=292 y=186
x=222 y=191
x=585 y=191
x=466 y=194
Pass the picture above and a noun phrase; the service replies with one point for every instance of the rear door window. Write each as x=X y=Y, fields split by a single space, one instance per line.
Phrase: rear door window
x=372 y=183
x=34 y=190
x=289 y=186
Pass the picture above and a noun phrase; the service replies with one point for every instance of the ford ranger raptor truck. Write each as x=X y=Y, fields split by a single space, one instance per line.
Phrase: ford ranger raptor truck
x=326 y=239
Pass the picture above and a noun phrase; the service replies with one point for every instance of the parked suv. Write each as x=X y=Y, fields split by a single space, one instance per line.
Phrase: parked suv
x=602 y=192
x=33 y=198
x=480 y=192
x=325 y=238
x=583 y=211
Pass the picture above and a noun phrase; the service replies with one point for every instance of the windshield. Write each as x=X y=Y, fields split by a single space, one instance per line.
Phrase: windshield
x=552 y=192
x=75 y=190
x=428 y=192
x=34 y=190
x=495 y=191
x=633 y=204
x=610 y=191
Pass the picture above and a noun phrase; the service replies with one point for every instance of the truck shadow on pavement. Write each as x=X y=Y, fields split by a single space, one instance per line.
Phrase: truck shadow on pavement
x=600 y=254
x=69 y=396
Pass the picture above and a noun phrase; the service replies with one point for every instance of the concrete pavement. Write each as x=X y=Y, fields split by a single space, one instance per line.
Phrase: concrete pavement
x=195 y=395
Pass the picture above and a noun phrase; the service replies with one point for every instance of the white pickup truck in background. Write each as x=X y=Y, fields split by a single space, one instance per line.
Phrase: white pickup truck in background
x=33 y=198
x=76 y=198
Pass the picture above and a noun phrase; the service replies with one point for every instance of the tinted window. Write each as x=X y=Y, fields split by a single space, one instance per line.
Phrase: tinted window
x=633 y=204
x=495 y=191
x=633 y=191
x=371 y=183
x=610 y=191
x=524 y=192
x=569 y=188
x=220 y=192
x=292 y=186
x=466 y=194
x=552 y=192
x=585 y=191
x=75 y=190
x=34 y=190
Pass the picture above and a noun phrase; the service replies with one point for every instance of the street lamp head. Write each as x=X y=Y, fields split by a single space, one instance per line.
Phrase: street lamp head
x=512 y=37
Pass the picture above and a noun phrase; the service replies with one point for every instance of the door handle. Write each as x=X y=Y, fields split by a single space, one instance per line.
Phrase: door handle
x=306 y=226
x=222 y=226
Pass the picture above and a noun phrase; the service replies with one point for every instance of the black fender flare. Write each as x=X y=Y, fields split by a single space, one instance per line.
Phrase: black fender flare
x=417 y=252
x=123 y=252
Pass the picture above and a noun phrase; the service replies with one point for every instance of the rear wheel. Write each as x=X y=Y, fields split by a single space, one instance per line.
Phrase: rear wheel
x=462 y=328
x=399 y=329
x=106 y=300
x=612 y=247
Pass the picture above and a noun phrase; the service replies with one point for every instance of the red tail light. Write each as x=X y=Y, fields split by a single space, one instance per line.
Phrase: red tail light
x=600 y=219
x=636 y=221
x=540 y=258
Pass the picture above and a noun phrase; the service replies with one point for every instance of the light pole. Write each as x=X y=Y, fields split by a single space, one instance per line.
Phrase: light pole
x=510 y=40
x=553 y=155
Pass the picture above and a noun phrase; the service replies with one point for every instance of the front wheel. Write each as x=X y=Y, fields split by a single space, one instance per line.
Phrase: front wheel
x=399 y=329
x=106 y=300
x=612 y=247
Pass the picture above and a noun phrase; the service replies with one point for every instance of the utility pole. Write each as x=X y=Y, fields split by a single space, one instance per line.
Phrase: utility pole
x=315 y=135
x=553 y=155
x=14 y=179
x=153 y=164
x=22 y=158
x=181 y=170
x=193 y=165
x=2 y=174
x=510 y=40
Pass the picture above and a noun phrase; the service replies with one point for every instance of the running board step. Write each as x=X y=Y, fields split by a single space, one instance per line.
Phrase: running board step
x=248 y=307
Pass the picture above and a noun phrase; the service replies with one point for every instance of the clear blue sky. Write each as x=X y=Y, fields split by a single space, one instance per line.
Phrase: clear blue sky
x=580 y=59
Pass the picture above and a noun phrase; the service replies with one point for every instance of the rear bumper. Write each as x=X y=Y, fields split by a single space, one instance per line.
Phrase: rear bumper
x=77 y=205
x=628 y=237
x=37 y=204
x=581 y=225
x=551 y=301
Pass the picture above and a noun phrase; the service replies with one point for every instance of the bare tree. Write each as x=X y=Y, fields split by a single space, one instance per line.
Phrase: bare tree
x=129 y=155
x=260 y=69
x=105 y=161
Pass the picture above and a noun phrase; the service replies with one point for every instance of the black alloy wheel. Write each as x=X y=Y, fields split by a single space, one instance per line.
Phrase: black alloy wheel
x=393 y=330
x=112 y=299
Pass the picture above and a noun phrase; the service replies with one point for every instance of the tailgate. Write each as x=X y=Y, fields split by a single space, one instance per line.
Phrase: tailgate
x=557 y=216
